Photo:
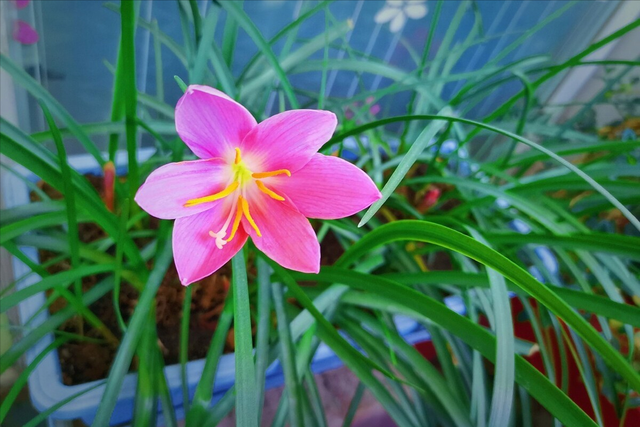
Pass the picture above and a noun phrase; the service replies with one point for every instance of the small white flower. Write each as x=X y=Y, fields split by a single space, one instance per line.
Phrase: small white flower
x=397 y=11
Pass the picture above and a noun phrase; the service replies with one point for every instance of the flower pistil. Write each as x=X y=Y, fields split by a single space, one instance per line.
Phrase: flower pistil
x=241 y=176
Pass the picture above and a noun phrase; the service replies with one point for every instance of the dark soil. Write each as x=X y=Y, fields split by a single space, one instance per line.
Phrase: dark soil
x=83 y=361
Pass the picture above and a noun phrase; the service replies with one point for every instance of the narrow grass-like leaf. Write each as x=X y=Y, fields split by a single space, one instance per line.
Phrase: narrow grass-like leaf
x=34 y=88
x=59 y=279
x=184 y=346
x=21 y=381
x=287 y=29
x=236 y=12
x=263 y=330
x=599 y=188
x=129 y=342
x=503 y=382
x=352 y=358
x=431 y=310
x=409 y=159
x=229 y=39
x=206 y=45
x=181 y=83
x=353 y=405
x=20 y=148
x=299 y=57
x=122 y=229
x=317 y=408
x=293 y=387
x=69 y=195
x=145 y=409
x=204 y=390
x=445 y=237
x=596 y=304
x=18 y=228
x=11 y=355
x=128 y=24
x=246 y=394
x=44 y=415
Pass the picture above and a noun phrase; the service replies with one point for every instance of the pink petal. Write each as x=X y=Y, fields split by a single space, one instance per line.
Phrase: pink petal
x=168 y=188
x=327 y=188
x=287 y=237
x=24 y=33
x=195 y=252
x=21 y=4
x=288 y=140
x=211 y=123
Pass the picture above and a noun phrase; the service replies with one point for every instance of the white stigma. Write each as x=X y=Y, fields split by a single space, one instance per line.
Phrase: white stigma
x=219 y=236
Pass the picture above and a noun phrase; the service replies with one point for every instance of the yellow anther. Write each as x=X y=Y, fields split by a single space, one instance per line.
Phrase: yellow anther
x=245 y=209
x=224 y=193
x=259 y=175
x=238 y=156
x=268 y=192
x=236 y=220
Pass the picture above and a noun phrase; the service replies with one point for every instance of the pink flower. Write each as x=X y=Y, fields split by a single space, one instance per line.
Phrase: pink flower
x=259 y=180
x=24 y=33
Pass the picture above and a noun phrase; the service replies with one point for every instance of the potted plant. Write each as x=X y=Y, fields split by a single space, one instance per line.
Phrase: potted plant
x=425 y=236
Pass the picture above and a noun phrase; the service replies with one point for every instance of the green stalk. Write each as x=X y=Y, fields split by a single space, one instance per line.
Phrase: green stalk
x=292 y=382
x=246 y=393
x=128 y=23
x=184 y=346
x=70 y=201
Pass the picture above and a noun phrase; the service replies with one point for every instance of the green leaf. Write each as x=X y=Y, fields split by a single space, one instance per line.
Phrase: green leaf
x=353 y=405
x=69 y=195
x=503 y=382
x=263 y=330
x=445 y=237
x=36 y=334
x=145 y=408
x=428 y=310
x=19 y=147
x=204 y=390
x=184 y=347
x=599 y=188
x=246 y=394
x=293 y=387
x=128 y=25
x=409 y=159
x=59 y=279
x=359 y=364
x=121 y=363
x=34 y=88
x=10 y=397
x=183 y=87
x=236 y=12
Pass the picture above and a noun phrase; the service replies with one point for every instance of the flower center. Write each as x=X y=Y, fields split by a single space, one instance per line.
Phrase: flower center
x=241 y=173
x=241 y=177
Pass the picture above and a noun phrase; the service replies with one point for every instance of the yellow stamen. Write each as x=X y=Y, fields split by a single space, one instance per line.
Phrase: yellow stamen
x=238 y=156
x=224 y=193
x=268 y=192
x=259 y=175
x=245 y=209
x=236 y=220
